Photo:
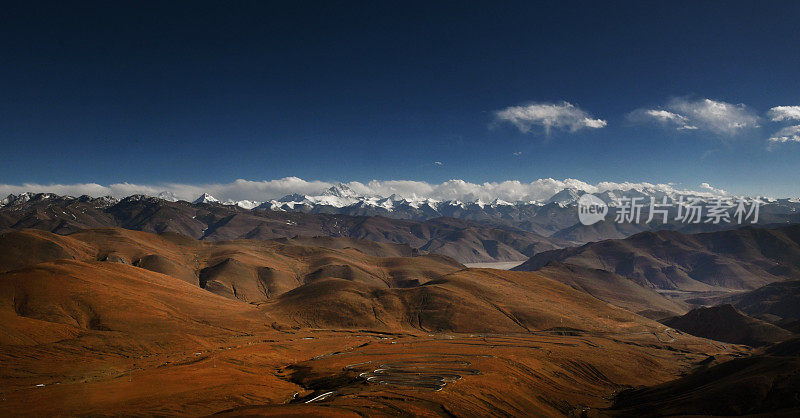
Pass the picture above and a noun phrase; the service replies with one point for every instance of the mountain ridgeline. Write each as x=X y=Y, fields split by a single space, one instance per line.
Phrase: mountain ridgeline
x=472 y=231
x=463 y=240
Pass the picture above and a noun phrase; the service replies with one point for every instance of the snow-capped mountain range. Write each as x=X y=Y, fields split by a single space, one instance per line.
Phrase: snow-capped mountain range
x=340 y=196
x=554 y=212
x=544 y=217
x=555 y=217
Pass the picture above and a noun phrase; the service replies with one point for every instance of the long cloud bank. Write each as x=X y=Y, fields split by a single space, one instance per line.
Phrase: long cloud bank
x=511 y=190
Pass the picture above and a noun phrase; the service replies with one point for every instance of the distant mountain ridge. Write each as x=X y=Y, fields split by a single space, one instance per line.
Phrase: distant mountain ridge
x=556 y=216
x=206 y=220
x=742 y=259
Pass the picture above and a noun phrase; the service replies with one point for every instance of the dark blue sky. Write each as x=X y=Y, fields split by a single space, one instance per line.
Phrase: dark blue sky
x=200 y=92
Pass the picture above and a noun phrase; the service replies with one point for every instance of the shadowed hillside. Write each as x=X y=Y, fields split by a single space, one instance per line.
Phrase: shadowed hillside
x=726 y=323
x=756 y=386
x=616 y=290
x=746 y=258
x=777 y=303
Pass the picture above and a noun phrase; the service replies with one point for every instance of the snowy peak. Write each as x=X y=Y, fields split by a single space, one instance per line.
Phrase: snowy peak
x=22 y=198
x=105 y=201
x=341 y=190
x=18 y=199
x=566 y=197
x=244 y=204
x=341 y=198
x=206 y=198
x=499 y=202
x=168 y=196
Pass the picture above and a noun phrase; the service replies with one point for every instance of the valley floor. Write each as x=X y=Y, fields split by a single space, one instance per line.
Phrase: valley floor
x=352 y=373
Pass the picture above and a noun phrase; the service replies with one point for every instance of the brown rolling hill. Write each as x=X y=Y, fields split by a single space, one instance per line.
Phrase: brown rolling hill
x=326 y=287
x=504 y=301
x=69 y=300
x=741 y=259
x=119 y=322
x=616 y=290
x=24 y=248
x=116 y=280
x=248 y=270
x=726 y=323
x=464 y=240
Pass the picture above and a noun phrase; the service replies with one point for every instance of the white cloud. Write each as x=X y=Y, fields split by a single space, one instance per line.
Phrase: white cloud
x=562 y=115
x=78 y=189
x=709 y=115
x=517 y=154
x=438 y=163
x=781 y=113
x=716 y=116
x=511 y=190
x=667 y=117
x=787 y=134
x=713 y=189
